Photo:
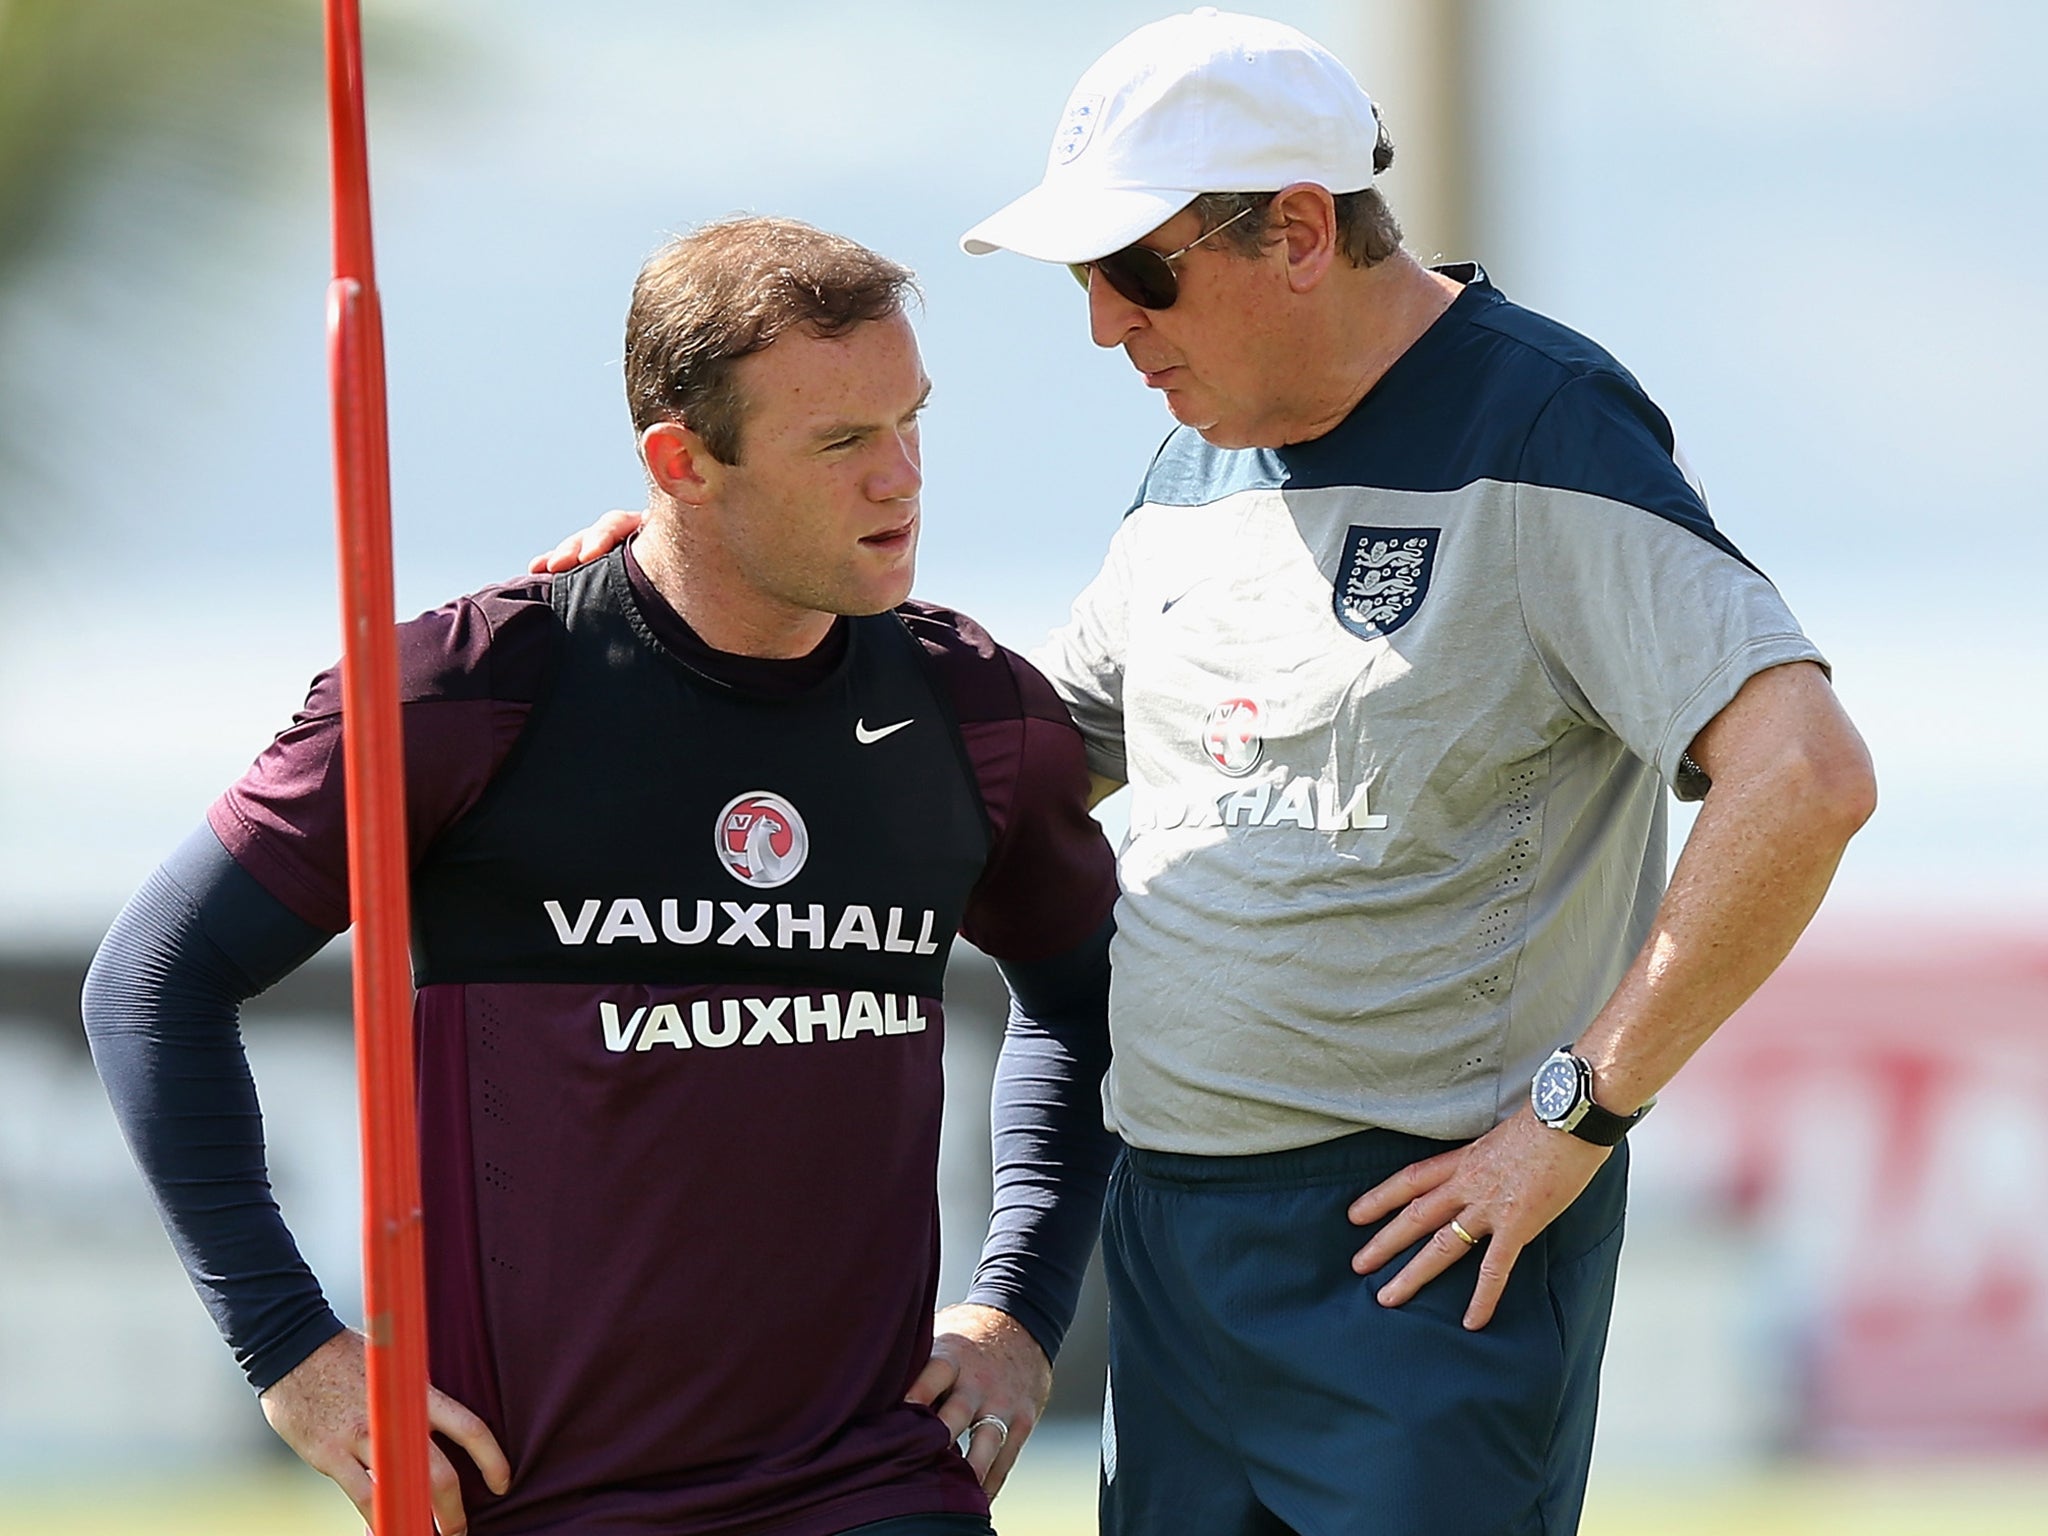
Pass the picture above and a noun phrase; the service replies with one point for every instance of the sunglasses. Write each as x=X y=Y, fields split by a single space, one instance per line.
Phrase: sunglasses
x=1145 y=276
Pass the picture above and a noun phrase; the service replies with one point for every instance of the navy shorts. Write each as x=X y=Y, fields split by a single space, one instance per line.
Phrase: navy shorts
x=1256 y=1388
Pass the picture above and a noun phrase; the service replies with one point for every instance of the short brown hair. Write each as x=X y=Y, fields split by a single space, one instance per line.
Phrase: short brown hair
x=726 y=290
x=1367 y=231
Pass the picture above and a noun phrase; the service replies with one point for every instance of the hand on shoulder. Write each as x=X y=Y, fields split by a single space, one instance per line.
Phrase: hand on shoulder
x=587 y=544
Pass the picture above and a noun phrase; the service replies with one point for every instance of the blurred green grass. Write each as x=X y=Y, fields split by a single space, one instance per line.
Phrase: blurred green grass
x=1053 y=1494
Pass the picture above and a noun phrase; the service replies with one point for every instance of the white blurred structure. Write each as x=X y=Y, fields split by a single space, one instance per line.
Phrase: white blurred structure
x=1803 y=223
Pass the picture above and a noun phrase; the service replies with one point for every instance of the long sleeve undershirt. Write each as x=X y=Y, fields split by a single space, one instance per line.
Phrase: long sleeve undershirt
x=1052 y=1152
x=161 y=1011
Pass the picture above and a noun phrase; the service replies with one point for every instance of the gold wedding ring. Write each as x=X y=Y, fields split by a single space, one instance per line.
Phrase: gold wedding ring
x=1458 y=1231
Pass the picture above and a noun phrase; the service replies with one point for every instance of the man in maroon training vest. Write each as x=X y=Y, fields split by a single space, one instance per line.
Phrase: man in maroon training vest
x=692 y=829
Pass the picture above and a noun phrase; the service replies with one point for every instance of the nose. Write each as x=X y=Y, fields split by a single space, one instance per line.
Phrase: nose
x=1111 y=317
x=900 y=474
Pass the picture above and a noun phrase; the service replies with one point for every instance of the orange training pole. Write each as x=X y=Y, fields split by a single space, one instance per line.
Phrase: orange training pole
x=393 y=1268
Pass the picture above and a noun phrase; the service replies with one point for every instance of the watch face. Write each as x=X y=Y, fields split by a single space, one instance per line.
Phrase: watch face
x=1556 y=1088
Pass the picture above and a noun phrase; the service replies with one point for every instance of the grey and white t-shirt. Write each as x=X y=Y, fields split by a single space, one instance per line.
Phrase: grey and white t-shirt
x=1395 y=706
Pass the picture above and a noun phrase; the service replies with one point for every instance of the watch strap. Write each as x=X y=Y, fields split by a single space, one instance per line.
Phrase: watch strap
x=1603 y=1127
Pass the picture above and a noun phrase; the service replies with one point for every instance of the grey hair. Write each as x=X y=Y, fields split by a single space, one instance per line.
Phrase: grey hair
x=1367 y=231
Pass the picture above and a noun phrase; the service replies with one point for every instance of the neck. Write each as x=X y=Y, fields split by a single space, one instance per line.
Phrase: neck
x=714 y=604
x=1372 y=316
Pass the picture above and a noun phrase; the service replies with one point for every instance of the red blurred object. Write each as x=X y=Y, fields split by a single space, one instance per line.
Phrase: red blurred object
x=393 y=1268
x=1878 y=1116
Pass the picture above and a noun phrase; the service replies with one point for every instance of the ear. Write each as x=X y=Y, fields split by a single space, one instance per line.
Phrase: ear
x=678 y=463
x=1305 y=217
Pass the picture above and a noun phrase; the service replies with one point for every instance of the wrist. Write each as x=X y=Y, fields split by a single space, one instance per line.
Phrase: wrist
x=1564 y=1095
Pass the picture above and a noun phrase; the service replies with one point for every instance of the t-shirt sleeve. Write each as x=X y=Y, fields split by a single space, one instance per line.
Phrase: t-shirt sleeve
x=1051 y=878
x=1647 y=620
x=469 y=674
x=1083 y=660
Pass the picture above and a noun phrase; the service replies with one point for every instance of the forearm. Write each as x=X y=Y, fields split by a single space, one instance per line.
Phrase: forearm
x=160 y=1008
x=1791 y=785
x=1052 y=1153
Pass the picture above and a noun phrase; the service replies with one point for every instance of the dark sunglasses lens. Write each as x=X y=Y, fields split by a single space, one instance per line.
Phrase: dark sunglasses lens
x=1144 y=277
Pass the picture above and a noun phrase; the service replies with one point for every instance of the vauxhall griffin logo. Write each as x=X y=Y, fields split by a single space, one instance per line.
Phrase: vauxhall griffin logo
x=1231 y=737
x=761 y=840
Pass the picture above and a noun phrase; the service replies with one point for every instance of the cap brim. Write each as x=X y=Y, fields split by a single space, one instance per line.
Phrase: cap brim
x=1073 y=224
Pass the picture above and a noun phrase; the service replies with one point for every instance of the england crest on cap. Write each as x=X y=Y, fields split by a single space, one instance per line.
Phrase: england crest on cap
x=1075 y=128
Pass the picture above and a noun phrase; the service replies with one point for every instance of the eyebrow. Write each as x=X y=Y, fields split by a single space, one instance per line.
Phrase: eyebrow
x=833 y=431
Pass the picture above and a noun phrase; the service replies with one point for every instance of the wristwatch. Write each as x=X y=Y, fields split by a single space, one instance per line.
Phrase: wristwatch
x=1561 y=1093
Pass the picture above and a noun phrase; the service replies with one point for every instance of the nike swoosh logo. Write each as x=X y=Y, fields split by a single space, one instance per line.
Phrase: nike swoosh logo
x=868 y=738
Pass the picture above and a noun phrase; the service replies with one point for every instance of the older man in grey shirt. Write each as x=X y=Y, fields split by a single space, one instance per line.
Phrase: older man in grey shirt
x=1415 y=617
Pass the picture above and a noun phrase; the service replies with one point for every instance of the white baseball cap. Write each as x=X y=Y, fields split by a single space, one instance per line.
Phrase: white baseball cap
x=1207 y=102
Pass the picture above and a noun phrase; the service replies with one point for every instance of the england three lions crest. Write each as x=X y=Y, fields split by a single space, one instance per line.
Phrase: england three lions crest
x=1382 y=578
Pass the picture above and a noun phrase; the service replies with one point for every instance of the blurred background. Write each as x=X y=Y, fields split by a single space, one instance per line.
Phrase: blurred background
x=1807 y=227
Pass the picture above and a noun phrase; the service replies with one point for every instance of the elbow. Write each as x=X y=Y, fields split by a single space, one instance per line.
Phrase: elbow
x=1854 y=799
x=1831 y=784
x=107 y=987
x=1847 y=781
x=1786 y=751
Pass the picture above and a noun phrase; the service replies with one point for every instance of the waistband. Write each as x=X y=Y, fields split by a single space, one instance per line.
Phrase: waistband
x=1370 y=1155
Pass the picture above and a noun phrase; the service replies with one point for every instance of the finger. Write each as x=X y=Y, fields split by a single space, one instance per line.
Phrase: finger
x=616 y=526
x=956 y=1413
x=1411 y=1183
x=1443 y=1249
x=458 y=1423
x=1408 y=1228
x=933 y=1382
x=445 y=1491
x=1494 y=1269
x=565 y=556
x=984 y=1443
x=1006 y=1458
x=1384 y=1198
x=349 y=1473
